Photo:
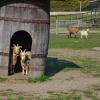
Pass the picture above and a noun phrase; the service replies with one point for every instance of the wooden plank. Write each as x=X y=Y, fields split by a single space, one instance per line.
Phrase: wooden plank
x=21 y=5
x=38 y=21
x=33 y=55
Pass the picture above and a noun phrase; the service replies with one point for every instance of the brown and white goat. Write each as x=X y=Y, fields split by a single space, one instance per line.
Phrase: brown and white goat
x=25 y=61
x=72 y=31
x=15 y=54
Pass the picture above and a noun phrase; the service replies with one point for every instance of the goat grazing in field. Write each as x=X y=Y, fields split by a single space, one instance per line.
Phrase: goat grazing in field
x=25 y=61
x=72 y=31
x=15 y=54
x=84 y=33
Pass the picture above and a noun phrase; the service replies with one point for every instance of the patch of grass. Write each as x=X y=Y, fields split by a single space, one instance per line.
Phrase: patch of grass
x=89 y=65
x=2 y=79
x=96 y=87
x=12 y=95
x=91 y=94
x=61 y=41
x=88 y=93
x=74 y=95
x=20 y=98
x=63 y=96
x=41 y=78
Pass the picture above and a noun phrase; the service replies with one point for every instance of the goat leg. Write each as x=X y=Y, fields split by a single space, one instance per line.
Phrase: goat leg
x=23 y=70
x=26 y=71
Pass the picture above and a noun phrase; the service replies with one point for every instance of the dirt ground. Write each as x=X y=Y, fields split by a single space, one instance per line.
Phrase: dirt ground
x=60 y=82
x=91 y=53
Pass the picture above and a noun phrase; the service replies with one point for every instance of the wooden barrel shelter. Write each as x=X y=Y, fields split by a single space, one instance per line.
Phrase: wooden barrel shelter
x=25 y=22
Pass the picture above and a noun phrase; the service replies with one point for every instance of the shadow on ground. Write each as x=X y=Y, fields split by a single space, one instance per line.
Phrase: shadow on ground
x=54 y=65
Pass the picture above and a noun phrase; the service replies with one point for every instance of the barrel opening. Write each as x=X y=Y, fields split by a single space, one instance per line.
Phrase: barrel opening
x=24 y=39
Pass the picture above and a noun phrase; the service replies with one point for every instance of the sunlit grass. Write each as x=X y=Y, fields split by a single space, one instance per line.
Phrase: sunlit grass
x=61 y=41
x=41 y=78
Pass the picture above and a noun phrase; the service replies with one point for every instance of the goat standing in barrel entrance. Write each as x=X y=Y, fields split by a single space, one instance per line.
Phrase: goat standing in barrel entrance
x=15 y=54
x=25 y=61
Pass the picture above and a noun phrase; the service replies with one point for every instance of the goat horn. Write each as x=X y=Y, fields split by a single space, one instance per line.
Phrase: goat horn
x=24 y=50
x=20 y=50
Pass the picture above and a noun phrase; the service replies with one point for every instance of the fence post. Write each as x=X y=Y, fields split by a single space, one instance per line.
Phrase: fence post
x=95 y=13
x=56 y=25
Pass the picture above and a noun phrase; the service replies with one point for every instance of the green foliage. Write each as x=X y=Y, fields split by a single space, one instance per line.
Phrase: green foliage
x=74 y=5
x=57 y=5
x=41 y=78
x=68 y=5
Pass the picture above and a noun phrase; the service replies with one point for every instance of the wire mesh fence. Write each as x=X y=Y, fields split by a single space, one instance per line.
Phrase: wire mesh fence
x=87 y=19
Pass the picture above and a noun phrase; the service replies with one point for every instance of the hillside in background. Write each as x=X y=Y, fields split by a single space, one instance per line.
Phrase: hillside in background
x=57 y=5
x=68 y=5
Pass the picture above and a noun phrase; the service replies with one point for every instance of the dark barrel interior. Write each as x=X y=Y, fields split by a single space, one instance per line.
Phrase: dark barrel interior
x=24 y=39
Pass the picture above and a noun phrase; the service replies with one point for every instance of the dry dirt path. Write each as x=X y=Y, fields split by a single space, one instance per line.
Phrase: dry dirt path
x=80 y=53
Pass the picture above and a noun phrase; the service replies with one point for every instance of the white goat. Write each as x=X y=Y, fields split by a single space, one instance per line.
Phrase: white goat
x=84 y=33
x=25 y=61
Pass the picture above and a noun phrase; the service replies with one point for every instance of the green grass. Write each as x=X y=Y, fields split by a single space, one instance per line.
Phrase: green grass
x=41 y=78
x=87 y=65
x=12 y=95
x=61 y=41
x=88 y=94
x=91 y=94
x=2 y=79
